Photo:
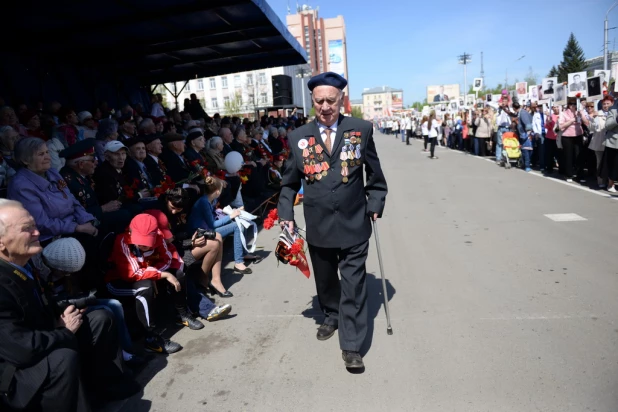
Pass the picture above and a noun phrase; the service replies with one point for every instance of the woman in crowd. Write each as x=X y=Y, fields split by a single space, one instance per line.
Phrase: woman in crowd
x=484 y=131
x=432 y=132
x=597 y=128
x=551 y=147
x=425 y=132
x=195 y=143
x=68 y=126
x=107 y=131
x=610 y=155
x=570 y=122
x=203 y=216
x=44 y=193
x=175 y=204
x=213 y=153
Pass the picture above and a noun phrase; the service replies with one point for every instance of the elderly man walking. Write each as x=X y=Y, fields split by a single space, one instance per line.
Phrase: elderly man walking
x=330 y=154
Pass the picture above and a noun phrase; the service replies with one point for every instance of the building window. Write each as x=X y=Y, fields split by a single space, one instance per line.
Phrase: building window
x=213 y=84
x=263 y=97
x=237 y=81
x=224 y=82
x=262 y=78
x=226 y=100
x=200 y=84
x=214 y=103
x=188 y=86
x=250 y=80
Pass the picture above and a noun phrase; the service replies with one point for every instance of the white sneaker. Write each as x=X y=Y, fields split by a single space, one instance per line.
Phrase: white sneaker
x=569 y=180
x=218 y=312
x=612 y=189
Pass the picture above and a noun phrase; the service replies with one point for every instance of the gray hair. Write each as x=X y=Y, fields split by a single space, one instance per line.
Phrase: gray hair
x=213 y=142
x=106 y=128
x=282 y=130
x=25 y=148
x=6 y=204
x=144 y=124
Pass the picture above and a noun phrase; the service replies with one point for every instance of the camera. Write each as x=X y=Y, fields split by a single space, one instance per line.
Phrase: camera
x=79 y=303
x=209 y=234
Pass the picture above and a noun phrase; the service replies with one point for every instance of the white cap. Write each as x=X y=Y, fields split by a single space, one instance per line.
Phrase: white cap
x=114 y=146
x=65 y=254
x=82 y=116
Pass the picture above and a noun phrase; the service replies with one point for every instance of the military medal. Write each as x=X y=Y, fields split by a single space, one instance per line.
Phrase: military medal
x=353 y=140
x=324 y=173
x=305 y=152
x=344 y=164
x=318 y=149
x=352 y=163
x=357 y=152
x=318 y=176
x=312 y=141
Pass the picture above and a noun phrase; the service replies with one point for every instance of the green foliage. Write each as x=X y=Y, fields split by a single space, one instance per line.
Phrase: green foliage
x=233 y=107
x=553 y=72
x=573 y=59
x=312 y=112
x=357 y=112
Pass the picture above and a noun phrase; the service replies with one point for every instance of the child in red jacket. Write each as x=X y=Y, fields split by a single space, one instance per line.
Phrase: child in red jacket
x=140 y=258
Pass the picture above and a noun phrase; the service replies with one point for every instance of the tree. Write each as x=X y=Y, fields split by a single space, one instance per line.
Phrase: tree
x=531 y=77
x=553 y=72
x=357 y=112
x=254 y=91
x=234 y=106
x=573 y=59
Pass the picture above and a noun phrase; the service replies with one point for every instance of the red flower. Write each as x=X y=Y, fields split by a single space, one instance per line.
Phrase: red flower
x=578 y=95
x=273 y=214
x=220 y=174
x=296 y=248
x=268 y=223
x=129 y=192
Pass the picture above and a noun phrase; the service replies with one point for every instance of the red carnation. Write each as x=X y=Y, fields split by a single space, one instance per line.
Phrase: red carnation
x=273 y=214
x=268 y=223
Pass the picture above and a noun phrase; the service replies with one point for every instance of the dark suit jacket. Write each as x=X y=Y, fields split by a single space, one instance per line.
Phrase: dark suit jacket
x=336 y=213
x=157 y=171
x=132 y=171
x=176 y=168
x=27 y=331
x=438 y=98
x=109 y=183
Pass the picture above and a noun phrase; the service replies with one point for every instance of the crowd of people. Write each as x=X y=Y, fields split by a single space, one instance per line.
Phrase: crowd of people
x=579 y=139
x=111 y=219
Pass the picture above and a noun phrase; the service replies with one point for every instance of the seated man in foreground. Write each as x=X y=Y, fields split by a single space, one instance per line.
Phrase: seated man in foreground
x=41 y=347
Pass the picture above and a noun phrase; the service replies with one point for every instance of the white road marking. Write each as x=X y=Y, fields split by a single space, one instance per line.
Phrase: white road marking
x=565 y=217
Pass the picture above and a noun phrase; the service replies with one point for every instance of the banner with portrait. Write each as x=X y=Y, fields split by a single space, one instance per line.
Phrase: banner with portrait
x=397 y=100
x=442 y=93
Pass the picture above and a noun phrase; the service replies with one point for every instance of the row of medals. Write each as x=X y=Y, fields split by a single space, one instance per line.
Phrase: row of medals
x=350 y=153
x=350 y=157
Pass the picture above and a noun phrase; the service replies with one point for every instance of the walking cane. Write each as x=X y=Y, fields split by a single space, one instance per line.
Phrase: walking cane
x=389 y=329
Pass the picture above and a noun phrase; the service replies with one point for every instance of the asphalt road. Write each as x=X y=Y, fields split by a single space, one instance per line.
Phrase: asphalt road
x=495 y=307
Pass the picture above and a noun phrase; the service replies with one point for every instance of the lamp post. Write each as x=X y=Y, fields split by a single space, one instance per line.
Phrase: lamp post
x=465 y=59
x=605 y=30
x=302 y=72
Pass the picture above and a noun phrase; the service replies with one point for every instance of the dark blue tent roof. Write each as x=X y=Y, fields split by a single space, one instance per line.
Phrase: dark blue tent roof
x=154 y=41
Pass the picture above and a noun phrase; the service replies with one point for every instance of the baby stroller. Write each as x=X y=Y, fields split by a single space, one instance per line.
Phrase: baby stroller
x=511 y=150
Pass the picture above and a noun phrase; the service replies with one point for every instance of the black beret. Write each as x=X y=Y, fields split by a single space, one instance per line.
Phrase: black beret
x=82 y=148
x=134 y=140
x=173 y=137
x=194 y=135
x=149 y=138
x=327 y=79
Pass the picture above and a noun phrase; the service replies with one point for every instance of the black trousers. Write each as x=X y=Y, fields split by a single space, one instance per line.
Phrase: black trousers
x=425 y=141
x=142 y=293
x=97 y=362
x=408 y=136
x=551 y=152
x=432 y=148
x=572 y=149
x=344 y=302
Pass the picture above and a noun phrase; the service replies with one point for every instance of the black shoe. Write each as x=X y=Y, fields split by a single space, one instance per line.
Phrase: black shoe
x=187 y=319
x=352 y=360
x=157 y=344
x=214 y=291
x=326 y=331
x=135 y=361
x=245 y=271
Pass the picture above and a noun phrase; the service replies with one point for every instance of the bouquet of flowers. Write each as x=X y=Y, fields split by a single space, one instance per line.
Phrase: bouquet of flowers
x=290 y=247
x=130 y=190
x=164 y=186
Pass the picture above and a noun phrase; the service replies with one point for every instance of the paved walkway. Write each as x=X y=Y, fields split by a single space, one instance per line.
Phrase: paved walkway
x=495 y=307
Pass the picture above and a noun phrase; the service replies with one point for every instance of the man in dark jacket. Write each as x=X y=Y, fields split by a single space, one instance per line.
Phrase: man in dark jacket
x=41 y=345
x=330 y=155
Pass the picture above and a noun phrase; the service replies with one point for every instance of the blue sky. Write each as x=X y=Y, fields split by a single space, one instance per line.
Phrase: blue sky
x=410 y=44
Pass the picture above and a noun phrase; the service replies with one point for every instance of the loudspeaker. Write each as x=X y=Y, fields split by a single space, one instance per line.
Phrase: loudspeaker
x=282 y=90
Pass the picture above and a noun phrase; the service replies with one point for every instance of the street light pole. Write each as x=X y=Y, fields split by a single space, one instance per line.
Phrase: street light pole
x=302 y=72
x=465 y=59
x=605 y=30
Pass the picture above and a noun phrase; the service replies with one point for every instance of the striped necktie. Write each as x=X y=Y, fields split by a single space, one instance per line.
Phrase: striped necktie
x=327 y=142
